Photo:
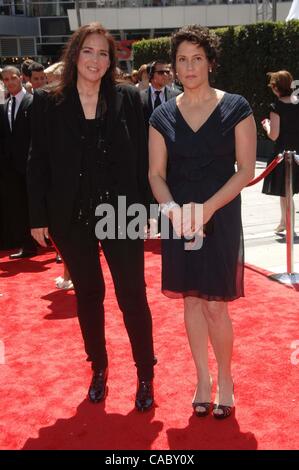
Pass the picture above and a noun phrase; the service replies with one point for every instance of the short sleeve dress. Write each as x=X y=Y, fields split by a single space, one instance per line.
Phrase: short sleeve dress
x=199 y=164
x=288 y=139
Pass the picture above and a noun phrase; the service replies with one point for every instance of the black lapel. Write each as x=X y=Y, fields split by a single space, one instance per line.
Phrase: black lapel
x=166 y=93
x=149 y=101
x=114 y=104
x=71 y=108
x=27 y=99
x=6 y=115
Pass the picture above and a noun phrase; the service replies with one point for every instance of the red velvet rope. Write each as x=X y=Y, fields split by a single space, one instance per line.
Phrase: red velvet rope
x=268 y=170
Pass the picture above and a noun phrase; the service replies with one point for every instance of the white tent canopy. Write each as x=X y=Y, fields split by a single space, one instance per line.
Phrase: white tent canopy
x=294 y=11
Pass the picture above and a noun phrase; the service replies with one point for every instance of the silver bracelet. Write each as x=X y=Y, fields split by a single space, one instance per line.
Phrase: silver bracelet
x=167 y=207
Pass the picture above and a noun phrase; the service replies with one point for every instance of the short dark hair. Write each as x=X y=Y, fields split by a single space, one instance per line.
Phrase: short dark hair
x=152 y=67
x=199 y=35
x=25 y=66
x=35 y=67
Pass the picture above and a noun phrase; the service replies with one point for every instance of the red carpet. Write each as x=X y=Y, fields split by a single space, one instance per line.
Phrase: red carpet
x=44 y=377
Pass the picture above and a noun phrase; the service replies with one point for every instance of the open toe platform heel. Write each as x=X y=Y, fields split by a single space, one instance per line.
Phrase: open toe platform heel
x=207 y=405
x=201 y=413
x=226 y=410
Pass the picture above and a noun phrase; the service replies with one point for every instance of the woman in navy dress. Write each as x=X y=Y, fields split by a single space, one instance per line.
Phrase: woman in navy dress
x=195 y=140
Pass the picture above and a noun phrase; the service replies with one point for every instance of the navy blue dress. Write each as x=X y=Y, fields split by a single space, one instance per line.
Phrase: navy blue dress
x=199 y=164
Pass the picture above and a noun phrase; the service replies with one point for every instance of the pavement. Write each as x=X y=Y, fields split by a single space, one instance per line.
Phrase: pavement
x=260 y=215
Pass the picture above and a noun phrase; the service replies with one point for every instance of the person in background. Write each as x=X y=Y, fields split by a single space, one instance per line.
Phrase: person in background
x=2 y=101
x=143 y=80
x=158 y=91
x=194 y=142
x=127 y=78
x=89 y=148
x=15 y=134
x=172 y=81
x=2 y=89
x=282 y=128
x=54 y=72
x=134 y=76
x=37 y=75
x=119 y=74
x=24 y=70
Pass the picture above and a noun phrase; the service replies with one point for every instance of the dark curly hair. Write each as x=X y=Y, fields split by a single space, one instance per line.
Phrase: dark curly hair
x=199 y=35
x=70 y=58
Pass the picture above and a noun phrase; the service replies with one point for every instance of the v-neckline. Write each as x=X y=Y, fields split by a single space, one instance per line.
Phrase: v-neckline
x=206 y=121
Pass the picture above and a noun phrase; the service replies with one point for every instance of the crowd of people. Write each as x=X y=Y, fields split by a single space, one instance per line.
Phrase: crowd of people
x=81 y=134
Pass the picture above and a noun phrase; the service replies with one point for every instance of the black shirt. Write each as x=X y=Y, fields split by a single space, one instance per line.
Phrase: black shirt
x=94 y=186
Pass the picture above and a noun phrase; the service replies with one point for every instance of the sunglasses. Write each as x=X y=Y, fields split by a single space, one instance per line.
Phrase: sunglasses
x=161 y=72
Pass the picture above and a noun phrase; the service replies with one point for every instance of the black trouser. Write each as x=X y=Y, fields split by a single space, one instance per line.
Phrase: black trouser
x=80 y=252
x=14 y=210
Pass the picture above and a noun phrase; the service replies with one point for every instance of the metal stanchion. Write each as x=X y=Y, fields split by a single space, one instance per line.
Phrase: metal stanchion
x=289 y=277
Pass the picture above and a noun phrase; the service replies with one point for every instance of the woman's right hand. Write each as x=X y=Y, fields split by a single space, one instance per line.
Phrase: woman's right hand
x=40 y=235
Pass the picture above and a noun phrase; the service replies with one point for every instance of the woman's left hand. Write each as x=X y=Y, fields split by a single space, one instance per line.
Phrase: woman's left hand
x=195 y=216
x=208 y=212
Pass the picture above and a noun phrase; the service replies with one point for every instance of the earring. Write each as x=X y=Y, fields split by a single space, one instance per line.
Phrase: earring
x=210 y=70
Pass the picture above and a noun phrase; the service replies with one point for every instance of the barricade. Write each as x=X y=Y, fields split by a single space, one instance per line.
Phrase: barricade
x=289 y=277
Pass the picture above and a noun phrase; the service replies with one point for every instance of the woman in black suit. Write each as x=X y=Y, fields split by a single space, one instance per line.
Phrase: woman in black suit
x=88 y=148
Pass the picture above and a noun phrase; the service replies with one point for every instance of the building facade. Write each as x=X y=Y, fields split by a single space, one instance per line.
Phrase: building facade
x=39 y=29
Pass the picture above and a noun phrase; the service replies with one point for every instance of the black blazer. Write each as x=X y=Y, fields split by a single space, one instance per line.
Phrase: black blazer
x=147 y=102
x=58 y=141
x=15 y=145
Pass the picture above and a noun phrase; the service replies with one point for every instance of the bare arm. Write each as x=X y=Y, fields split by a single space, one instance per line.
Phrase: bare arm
x=157 y=166
x=272 y=126
x=157 y=177
x=245 y=141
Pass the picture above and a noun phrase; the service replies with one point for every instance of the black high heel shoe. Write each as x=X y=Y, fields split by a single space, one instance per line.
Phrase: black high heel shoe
x=206 y=405
x=226 y=410
x=201 y=413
